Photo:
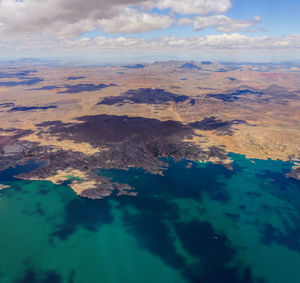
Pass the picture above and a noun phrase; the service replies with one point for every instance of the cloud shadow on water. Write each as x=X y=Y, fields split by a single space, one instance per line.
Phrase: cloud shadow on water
x=83 y=213
x=156 y=222
x=32 y=276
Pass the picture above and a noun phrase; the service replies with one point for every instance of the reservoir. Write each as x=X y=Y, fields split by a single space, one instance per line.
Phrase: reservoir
x=199 y=222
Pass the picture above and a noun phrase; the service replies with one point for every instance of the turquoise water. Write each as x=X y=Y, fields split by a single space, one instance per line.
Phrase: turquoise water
x=200 y=224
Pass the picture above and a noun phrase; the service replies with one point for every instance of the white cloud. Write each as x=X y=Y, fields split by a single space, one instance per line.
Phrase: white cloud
x=70 y=18
x=233 y=41
x=199 y=7
x=221 y=22
x=65 y=18
x=51 y=27
x=133 y=21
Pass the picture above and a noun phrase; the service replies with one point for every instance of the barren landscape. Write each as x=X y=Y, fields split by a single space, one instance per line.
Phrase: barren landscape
x=78 y=119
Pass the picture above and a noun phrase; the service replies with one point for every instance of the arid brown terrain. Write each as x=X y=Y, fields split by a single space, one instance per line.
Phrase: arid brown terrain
x=78 y=119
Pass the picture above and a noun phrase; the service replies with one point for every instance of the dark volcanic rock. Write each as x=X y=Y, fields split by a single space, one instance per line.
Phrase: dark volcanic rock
x=84 y=87
x=231 y=79
x=122 y=141
x=280 y=95
x=133 y=141
x=18 y=75
x=75 y=78
x=100 y=130
x=192 y=101
x=233 y=96
x=295 y=173
x=7 y=104
x=136 y=66
x=145 y=95
x=27 y=108
x=213 y=123
x=23 y=78
x=190 y=66
x=273 y=94
x=48 y=87
x=26 y=81
x=222 y=70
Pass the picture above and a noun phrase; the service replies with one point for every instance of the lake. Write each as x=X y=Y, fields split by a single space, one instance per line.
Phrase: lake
x=200 y=222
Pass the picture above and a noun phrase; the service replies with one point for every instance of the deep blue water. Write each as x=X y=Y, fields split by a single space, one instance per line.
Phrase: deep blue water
x=197 y=223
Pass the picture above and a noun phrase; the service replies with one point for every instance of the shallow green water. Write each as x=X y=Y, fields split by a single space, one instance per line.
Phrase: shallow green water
x=200 y=224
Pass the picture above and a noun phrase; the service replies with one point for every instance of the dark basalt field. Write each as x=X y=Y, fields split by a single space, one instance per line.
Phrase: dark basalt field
x=233 y=96
x=28 y=108
x=144 y=95
x=128 y=141
x=7 y=104
x=136 y=66
x=84 y=87
x=213 y=123
x=77 y=88
x=19 y=78
x=48 y=87
x=75 y=78
x=18 y=75
x=103 y=129
x=26 y=81
x=190 y=66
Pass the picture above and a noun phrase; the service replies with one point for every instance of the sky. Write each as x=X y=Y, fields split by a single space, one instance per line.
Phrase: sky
x=148 y=30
